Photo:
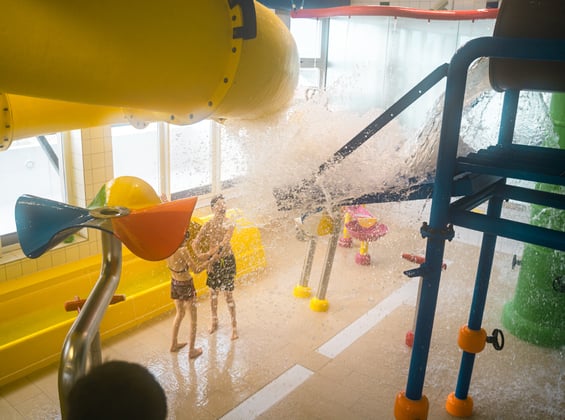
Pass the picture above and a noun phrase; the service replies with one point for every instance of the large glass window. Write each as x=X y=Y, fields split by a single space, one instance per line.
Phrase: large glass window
x=30 y=166
x=233 y=159
x=182 y=160
x=136 y=153
x=307 y=31
x=311 y=35
x=190 y=159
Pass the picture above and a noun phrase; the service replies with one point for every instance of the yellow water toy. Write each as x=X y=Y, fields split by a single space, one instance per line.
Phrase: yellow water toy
x=126 y=207
x=361 y=224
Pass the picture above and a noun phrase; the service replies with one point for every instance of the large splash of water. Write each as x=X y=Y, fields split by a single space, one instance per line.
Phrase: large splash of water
x=287 y=148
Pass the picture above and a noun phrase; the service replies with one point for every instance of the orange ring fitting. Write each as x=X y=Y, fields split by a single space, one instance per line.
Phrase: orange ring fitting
x=457 y=407
x=472 y=341
x=407 y=409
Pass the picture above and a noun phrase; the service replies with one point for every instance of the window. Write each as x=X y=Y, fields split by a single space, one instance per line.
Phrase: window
x=191 y=159
x=233 y=159
x=31 y=166
x=312 y=49
x=136 y=153
x=188 y=160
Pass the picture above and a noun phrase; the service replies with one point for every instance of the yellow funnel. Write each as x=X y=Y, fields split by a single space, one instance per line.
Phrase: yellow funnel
x=180 y=61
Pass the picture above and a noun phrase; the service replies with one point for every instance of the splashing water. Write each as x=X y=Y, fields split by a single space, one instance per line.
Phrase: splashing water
x=287 y=148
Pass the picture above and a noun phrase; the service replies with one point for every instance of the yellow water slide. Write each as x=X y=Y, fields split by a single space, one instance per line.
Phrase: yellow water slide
x=68 y=65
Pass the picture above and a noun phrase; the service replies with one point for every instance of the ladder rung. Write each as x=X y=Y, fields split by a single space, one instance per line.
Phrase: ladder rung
x=539 y=164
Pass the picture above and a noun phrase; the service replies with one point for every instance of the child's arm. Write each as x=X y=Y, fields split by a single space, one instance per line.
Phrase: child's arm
x=195 y=266
x=228 y=235
x=204 y=256
x=226 y=240
x=195 y=245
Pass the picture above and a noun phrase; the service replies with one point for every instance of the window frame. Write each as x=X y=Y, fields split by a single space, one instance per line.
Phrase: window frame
x=9 y=241
x=216 y=184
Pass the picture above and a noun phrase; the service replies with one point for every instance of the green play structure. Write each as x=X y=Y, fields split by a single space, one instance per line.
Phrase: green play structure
x=537 y=312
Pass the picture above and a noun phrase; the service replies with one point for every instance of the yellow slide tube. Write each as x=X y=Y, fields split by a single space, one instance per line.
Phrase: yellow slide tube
x=23 y=117
x=180 y=61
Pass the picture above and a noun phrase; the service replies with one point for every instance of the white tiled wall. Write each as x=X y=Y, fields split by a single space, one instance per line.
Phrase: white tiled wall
x=97 y=158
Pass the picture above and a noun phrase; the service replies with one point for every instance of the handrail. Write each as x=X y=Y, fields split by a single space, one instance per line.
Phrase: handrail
x=82 y=339
x=388 y=115
x=394 y=11
x=307 y=187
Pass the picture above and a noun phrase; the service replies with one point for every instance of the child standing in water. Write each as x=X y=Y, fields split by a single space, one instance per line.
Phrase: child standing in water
x=183 y=293
x=221 y=268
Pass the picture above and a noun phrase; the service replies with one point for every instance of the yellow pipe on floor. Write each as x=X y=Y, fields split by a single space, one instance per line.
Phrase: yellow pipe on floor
x=180 y=61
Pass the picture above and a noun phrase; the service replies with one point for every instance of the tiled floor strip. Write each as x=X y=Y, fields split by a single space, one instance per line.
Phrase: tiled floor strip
x=264 y=399
x=404 y=295
x=295 y=376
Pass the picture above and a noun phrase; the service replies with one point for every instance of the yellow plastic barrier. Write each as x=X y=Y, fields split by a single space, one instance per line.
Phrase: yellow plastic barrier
x=34 y=323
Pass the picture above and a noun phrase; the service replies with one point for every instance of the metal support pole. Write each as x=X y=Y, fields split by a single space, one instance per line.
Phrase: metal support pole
x=302 y=290
x=319 y=303
x=307 y=268
x=83 y=337
x=427 y=302
x=479 y=300
x=486 y=257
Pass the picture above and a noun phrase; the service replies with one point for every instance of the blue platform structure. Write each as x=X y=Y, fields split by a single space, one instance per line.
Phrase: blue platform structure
x=527 y=52
x=494 y=165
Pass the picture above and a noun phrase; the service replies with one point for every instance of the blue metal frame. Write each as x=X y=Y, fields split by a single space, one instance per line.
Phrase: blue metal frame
x=309 y=196
x=528 y=163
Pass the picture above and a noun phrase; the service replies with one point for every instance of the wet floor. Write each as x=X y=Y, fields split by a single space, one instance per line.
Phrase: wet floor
x=346 y=363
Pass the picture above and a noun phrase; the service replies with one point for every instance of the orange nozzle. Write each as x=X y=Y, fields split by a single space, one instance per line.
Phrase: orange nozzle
x=155 y=233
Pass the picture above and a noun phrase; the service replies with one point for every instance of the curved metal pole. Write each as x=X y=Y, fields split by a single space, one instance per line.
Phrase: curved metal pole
x=84 y=335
